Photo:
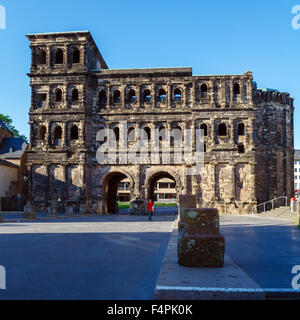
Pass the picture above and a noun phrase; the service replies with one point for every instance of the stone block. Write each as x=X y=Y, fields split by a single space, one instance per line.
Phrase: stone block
x=200 y=243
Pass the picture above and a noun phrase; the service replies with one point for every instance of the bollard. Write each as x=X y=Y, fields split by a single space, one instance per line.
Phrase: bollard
x=200 y=243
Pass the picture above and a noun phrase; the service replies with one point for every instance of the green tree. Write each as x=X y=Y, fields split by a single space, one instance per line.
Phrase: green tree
x=9 y=123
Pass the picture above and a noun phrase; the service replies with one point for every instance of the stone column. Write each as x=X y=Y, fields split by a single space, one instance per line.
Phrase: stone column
x=231 y=92
x=153 y=96
x=232 y=132
x=223 y=93
x=170 y=96
x=65 y=135
x=232 y=181
x=213 y=165
x=109 y=98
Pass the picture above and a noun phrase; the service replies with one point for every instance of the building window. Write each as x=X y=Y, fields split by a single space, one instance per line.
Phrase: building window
x=41 y=133
x=131 y=96
x=58 y=95
x=177 y=95
x=147 y=96
x=203 y=91
x=42 y=57
x=57 y=136
x=42 y=97
x=75 y=95
x=296 y=170
x=147 y=134
x=131 y=134
x=236 y=89
x=117 y=96
x=222 y=130
x=241 y=129
x=76 y=56
x=102 y=99
x=204 y=128
x=74 y=133
x=162 y=95
x=59 y=57
x=117 y=134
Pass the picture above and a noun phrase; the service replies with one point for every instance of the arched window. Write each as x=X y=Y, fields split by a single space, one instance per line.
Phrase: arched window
x=58 y=95
x=162 y=134
x=177 y=95
x=42 y=99
x=42 y=57
x=222 y=130
x=76 y=56
x=59 y=57
x=162 y=95
x=131 y=134
x=74 y=133
x=117 y=96
x=75 y=95
x=147 y=134
x=176 y=135
x=241 y=129
x=57 y=136
x=147 y=96
x=236 y=89
x=204 y=128
x=131 y=96
x=203 y=91
x=102 y=99
x=41 y=133
x=117 y=133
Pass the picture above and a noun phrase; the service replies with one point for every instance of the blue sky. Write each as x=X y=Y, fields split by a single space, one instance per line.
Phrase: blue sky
x=213 y=37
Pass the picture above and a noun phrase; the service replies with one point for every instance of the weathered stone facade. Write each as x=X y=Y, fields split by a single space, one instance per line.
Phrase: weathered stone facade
x=248 y=132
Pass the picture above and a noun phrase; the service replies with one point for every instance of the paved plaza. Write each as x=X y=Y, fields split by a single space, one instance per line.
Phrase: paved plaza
x=119 y=257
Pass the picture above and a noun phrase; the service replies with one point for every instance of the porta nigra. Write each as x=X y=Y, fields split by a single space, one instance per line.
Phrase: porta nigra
x=248 y=132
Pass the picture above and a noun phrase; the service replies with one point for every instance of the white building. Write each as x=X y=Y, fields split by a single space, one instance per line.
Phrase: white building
x=297 y=170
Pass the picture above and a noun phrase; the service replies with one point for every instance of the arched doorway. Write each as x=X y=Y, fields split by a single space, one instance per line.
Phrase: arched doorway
x=162 y=187
x=112 y=187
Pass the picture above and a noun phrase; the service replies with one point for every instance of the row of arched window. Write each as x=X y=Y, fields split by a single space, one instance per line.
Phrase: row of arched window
x=131 y=97
x=222 y=131
x=58 y=97
x=56 y=136
x=58 y=57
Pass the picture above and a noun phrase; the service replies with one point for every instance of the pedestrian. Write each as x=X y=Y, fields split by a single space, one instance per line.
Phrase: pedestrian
x=150 y=206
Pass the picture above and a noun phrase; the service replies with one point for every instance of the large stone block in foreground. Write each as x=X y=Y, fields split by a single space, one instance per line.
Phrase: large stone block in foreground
x=200 y=243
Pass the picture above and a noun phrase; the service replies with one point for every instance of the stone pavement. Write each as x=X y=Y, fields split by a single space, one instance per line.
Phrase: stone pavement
x=119 y=257
x=108 y=257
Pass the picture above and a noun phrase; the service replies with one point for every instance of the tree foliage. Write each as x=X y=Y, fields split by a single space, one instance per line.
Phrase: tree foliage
x=9 y=123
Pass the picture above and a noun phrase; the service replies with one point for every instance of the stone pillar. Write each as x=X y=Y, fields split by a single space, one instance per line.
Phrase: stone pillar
x=153 y=96
x=170 y=96
x=200 y=243
x=109 y=98
x=65 y=135
x=213 y=180
x=232 y=182
x=223 y=93
x=193 y=94
x=232 y=132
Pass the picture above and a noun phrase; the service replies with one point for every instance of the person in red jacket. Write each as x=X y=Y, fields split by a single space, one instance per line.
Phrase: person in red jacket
x=150 y=205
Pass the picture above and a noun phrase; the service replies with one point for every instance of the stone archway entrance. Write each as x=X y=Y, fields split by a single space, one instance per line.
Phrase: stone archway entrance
x=162 y=186
x=110 y=191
